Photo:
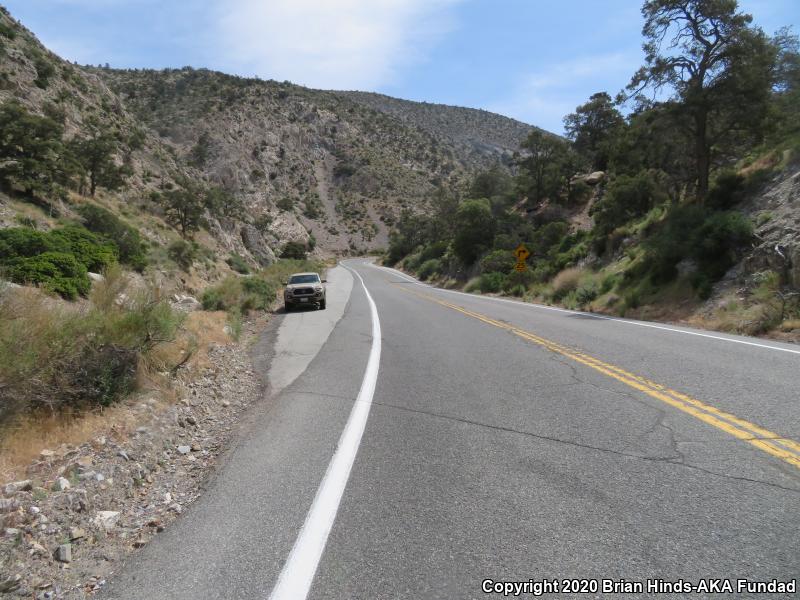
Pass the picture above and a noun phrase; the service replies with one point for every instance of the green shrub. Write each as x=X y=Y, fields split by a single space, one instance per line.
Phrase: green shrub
x=286 y=203
x=212 y=299
x=492 y=282
x=57 y=272
x=129 y=243
x=550 y=235
x=718 y=240
x=183 y=253
x=44 y=71
x=22 y=241
x=238 y=263
x=519 y=279
x=7 y=31
x=91 y=250
x=609 y=282
x=702 y=285
x=241 y=294
x=586 y=292
x=57 y=260
x=433 y=250
x=294 y=250
x=54 y=358
x=429 y=268
x=579 y=192
x=497 y=260
x=313 y=206
x=711 y=239
x=727 y=191
x=259 y=293
x=263 y=222
x=412 y=262
x=474 y=230
x=626 y=198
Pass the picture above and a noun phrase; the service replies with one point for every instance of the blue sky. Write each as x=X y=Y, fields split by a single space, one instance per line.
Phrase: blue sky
x=534 y=60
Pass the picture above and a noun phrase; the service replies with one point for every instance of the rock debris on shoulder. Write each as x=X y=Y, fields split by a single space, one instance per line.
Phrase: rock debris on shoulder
x=80 y=509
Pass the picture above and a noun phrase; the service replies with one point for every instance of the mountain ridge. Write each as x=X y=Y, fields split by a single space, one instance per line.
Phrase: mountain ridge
x=331 y=168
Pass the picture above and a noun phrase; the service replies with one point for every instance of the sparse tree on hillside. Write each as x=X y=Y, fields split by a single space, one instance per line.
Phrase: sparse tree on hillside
x=201 y=150
x=592 y=128
x=475 y=229
x=31 y=152
x=96 y=156
x=545 y=166
x=184 y=209
x=442 y=221
x=718 y=67
x=787 y=80
x=491 y=183
x=222 y=204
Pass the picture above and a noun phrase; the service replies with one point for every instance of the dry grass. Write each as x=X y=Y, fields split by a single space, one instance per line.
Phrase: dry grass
x=790 y=325
x=566 y=281
x=201 y=330
x=29 y=435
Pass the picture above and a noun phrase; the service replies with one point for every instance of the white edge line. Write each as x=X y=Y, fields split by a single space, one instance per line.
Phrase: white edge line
x=294 y=581
x=596 y=316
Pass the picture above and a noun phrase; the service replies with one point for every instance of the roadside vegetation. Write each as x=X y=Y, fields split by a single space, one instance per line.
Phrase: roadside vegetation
x=57 y=357
x=639 y=210
x=239 y=295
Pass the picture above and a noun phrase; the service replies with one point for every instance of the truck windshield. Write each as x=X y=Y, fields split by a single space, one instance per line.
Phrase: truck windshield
x=304 y=279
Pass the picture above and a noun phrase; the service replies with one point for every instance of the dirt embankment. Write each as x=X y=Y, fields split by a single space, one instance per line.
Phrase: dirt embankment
x=69 y=516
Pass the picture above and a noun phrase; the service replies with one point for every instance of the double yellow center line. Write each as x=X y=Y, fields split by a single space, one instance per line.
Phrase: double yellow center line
x=786 y=449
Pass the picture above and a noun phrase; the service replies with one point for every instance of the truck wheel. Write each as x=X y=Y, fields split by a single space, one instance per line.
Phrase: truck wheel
x=322 y=305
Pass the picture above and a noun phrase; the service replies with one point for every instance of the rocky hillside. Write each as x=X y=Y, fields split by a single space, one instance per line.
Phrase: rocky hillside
x=483 y=137
x=328 y=169
x=302 y=159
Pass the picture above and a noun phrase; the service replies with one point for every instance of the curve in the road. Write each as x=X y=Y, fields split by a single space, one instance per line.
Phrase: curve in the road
x=731 y=339
x=784 y=448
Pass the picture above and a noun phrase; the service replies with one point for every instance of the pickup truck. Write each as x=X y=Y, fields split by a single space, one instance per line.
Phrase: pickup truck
x=304 y=289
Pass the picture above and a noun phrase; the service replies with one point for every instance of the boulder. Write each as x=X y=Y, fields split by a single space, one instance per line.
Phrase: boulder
x=255 y=244
x=594 y=178
x=63 y=553
x=106 y=519
x=186 y=303
x=17 y=486
x=95 y=276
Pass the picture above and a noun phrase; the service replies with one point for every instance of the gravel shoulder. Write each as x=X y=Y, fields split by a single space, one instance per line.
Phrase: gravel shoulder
x=80 y=510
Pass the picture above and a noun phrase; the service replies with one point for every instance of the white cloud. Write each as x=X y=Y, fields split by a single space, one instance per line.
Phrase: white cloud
x=545 y=96
x=339 y=44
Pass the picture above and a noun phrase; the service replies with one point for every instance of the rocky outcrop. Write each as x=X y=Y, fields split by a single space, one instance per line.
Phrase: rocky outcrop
x=776 y=211
x=257 y=246
x=592 y=179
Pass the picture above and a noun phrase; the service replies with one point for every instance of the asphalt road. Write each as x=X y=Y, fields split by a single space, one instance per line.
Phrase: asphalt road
x=503 y=441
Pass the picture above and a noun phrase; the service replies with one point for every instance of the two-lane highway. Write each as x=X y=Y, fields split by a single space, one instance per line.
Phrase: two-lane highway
x=501 y=441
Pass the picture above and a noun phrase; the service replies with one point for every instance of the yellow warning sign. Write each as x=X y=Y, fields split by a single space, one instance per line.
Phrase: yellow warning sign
x=522 y=254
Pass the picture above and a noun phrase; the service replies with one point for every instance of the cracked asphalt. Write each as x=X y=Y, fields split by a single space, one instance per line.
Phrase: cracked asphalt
x=488 y=456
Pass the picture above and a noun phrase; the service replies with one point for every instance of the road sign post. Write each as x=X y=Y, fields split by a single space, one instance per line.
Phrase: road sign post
x=522 y=254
